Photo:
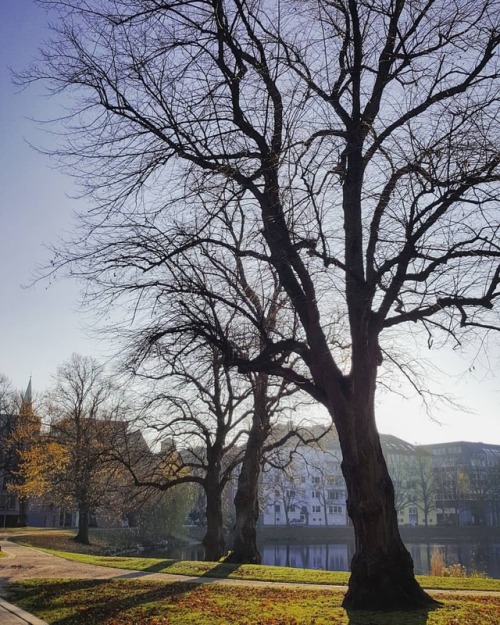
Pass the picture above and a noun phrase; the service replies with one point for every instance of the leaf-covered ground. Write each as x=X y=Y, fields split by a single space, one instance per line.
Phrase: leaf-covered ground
x=132 y=602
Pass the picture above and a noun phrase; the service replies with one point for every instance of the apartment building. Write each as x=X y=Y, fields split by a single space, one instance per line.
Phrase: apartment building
x=304 y=486
x=466 y=482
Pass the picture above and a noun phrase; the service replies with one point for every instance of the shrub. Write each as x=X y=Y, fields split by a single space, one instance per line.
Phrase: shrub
x=438 y=568
x=478 y=574
x=455 y=570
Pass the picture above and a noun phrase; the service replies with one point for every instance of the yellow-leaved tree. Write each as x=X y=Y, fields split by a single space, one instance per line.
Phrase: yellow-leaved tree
x=71 y=462
x=20 y=429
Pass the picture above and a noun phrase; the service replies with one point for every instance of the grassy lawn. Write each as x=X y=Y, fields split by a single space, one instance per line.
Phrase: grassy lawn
x=139 y=602
x=131 y=602
x=60 y=543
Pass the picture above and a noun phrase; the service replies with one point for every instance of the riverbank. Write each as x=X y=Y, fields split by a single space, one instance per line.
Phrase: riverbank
x=408 y=534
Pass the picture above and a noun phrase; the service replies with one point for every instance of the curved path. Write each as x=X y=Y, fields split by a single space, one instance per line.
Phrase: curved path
x=23 y=563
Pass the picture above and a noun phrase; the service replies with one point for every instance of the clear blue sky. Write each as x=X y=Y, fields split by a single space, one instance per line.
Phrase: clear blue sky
x=41 y=326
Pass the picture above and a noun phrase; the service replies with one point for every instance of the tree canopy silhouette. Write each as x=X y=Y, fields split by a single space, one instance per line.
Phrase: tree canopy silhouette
x=353 y=145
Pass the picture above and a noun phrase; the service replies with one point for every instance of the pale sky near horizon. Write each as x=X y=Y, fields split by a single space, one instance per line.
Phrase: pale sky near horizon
x=42 y=325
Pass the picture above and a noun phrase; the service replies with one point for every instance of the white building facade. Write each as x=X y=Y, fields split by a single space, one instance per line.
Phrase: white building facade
x=304 y=486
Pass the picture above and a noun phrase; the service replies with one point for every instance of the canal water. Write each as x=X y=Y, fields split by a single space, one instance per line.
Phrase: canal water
x=481 y=556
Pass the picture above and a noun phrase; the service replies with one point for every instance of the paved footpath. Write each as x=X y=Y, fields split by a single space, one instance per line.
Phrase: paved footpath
x=12 y=615
x=23 y=563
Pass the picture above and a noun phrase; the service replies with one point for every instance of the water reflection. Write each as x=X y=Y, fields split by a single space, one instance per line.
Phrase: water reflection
x=330 y=556
x=481 y=556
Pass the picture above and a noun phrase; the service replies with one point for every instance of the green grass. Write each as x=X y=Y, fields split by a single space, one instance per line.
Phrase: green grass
x=60 y=544
x=132 y=602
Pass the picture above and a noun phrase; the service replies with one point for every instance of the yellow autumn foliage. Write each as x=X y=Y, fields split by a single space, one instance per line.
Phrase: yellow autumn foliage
x=40 y=464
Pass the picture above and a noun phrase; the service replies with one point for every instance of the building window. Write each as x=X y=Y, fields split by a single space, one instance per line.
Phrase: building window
x=333 y=494
x=316 y=508
x=335 y=509
x=277 y=508
x=316 y=494
x=290 y=493
x=277 y=493
x=291 y=508
x=316 y=480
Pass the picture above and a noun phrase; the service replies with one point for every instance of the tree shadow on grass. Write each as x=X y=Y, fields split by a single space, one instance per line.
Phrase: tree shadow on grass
x=80 y=602
x=94 y=601
x=159 y=567
x=221 y=570
x=97 y=600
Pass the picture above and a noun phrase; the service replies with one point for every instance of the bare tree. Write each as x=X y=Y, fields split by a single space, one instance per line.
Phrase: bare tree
x=329 y=492
x=424 y=491
x=8 y=408
x=452 y=485
x=199 y=413
x=360 y=140
x=484 y=488
x=400 y=470
x=266 y=396
x=8 y=402
x=209 y=321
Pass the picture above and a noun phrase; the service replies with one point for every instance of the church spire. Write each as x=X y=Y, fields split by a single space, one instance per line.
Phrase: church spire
x=27 y=399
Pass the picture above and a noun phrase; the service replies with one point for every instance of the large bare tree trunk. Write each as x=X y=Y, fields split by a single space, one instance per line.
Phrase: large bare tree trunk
x=382 y=575
x=246 y=501
x=213 y=542
x=382 y=569
x=83 y=526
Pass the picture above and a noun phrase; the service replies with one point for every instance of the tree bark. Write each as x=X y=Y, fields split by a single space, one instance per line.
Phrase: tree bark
x=382 y=575
x=246 y=500
x=213 y=541
x=83 y=526
x=23 y=513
